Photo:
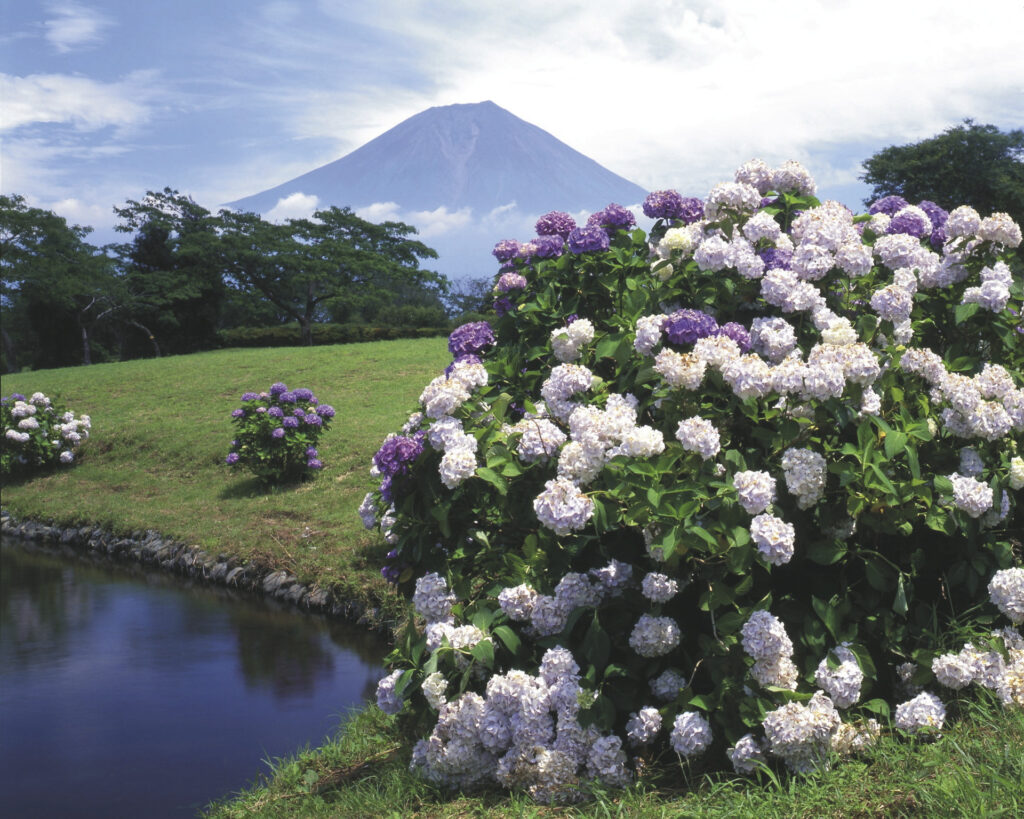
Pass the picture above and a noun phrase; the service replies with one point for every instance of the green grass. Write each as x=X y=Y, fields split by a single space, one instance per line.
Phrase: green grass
x=976 y=769
x=162 y=428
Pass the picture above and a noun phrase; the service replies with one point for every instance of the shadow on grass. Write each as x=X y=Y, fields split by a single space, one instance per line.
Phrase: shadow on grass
x=254 y=487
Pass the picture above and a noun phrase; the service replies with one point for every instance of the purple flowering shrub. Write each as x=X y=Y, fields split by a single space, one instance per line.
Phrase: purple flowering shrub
x=276 y=434
x=713 y=492
x=38 y=434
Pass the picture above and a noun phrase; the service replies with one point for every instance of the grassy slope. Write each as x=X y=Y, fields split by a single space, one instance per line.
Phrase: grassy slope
x=160 y=432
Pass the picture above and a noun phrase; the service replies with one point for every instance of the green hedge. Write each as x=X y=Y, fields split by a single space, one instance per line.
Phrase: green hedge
x=290 y=335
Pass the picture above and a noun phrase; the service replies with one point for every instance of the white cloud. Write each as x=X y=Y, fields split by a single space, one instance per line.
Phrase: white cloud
x=295 y=206
x=380 y=212
x=437 y=222
x=73 y=26
x=77 y=212
x=73 y=100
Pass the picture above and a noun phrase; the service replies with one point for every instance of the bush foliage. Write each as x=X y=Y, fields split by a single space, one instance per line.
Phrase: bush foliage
x=691 y=478
x=38 y=434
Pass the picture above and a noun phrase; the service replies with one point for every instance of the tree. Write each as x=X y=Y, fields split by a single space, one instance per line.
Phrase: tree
x=171 y=271
x=55 y=286
x=969 y=164
x=311 y=269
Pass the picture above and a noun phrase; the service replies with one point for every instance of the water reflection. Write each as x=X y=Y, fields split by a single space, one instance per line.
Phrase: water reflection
x=175 y=685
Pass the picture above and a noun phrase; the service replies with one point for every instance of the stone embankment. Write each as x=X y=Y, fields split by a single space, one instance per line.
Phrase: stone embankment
x=150 y=548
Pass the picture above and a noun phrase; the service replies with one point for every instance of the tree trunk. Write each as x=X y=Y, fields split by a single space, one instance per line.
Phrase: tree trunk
x=12 y=359
x=86 y=351
x=145 y=329
x=307 y=331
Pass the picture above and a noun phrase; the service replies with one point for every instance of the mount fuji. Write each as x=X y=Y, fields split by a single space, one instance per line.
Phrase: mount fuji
x=466 y=176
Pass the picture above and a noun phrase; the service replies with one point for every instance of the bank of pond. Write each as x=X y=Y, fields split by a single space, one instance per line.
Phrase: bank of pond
x=128 y=692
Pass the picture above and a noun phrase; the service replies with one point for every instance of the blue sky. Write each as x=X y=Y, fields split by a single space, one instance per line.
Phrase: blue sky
x=104 y=99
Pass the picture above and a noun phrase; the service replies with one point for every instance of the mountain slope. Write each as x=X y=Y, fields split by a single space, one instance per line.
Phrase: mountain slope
x=476 y=156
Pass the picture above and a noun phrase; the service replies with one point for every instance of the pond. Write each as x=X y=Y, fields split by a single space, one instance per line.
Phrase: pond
x=126 y=692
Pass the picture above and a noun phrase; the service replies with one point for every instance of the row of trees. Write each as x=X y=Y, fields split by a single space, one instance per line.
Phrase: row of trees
x=186 y=273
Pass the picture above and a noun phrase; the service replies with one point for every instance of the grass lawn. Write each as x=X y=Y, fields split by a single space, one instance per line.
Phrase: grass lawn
x=162 y=428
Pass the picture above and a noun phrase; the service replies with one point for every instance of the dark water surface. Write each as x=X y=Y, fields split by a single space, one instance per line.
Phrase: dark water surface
x=131 y=693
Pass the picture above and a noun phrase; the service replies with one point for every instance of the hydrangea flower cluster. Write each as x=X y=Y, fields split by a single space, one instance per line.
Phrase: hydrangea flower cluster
x=276 y=433
x=38 y=434
x=660 y=440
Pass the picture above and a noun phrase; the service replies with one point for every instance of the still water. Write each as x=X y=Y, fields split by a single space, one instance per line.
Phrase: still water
x=130 y=693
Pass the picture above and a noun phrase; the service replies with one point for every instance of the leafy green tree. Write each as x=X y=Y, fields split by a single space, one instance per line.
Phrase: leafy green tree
x=335 y=265
x=55 y=287
x=977 y=165
x=171 y=270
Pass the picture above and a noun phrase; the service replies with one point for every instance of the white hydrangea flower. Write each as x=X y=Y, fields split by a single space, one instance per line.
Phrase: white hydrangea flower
x=746 y=754
x=659 y=588
x=691 y=734
x=643 y=726
x=1016 y=472
x=801 y=735
x=804 y=471
x=517 y=602
x=698 y=435
x=668 y=684
x=764 y=636
x=774 y=538
x=953 y=671
x=432 y=598
x=924 y=712
x=1000 y=228
x=562 y=507
x=971 y=495
x=1006 y=591
x=368 y=511
x=654 y=636
x=457 y=465
x=684 y=370
x=962 y=221
x=842 y=683
x=387 y=700
x=755 y=490
x=774 y=338
x=434 y=688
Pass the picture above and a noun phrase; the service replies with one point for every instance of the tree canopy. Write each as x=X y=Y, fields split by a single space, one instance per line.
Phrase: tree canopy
x=969 y=164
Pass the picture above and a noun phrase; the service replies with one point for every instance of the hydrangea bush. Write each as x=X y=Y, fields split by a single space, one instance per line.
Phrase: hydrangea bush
x=710 y=492
x=277 y=433
x=38 y=434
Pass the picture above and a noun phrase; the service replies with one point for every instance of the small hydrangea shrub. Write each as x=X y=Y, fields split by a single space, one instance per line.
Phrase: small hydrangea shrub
x=276 y=434
x=707 y=492
x=38 y=434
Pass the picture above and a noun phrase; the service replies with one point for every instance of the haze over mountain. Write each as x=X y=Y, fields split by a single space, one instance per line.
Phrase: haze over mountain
x=465 y=175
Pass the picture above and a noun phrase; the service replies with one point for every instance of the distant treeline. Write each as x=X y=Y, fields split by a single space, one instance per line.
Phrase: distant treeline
x=187 y=280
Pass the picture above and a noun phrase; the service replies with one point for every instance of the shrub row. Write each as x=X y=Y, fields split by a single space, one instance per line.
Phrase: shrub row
x=290 y=335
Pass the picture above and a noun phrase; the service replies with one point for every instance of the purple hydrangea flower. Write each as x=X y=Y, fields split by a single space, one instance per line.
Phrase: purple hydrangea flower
x=938 y=238
x=547 y=247
x=385 y=489
x=555 y=223
x=613 y=217
x=506 y=249
x=298 y=412
x=692 y=210
x=232 y=459
x=250 y=396
x=937 y=214
x=286 y=397
x=313 y=420
x=290 y=421
x=468 y=358
x=501 y=307
x=909 y=223
x=738 y=333
x=889 y=205
x=277 y=389
x=238 y=413
x=511 y=281
x=302 y=394
x=588 y=239
x=17 y=396
x=275 y=412
x=311 y=452
x=325 y=411
x=278 y=433
x=395 y=453
x=314 y=463
x=774 y=258
x=663 y=205
x=686 y=326
x=470 y=338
